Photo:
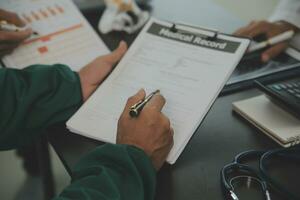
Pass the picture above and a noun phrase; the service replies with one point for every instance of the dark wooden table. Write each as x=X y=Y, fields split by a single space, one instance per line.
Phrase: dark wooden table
x=196 y=174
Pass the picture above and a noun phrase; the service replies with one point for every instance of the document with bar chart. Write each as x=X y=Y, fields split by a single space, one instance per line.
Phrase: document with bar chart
x=64 y=35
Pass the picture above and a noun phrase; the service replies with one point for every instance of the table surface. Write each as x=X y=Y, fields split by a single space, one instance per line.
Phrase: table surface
x=218 y=139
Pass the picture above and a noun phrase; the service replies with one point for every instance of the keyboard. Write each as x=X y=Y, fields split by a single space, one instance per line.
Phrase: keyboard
x=284 y=93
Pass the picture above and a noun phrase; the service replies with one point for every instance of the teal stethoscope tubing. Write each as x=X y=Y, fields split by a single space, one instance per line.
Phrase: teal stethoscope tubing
x=262 y=173
x=290 y=153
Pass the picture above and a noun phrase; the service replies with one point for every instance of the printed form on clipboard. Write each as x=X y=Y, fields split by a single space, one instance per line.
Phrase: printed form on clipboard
x=189 y=66
x=64 y=35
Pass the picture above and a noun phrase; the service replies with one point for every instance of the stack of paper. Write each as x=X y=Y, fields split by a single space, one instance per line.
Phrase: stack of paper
x=271 y=119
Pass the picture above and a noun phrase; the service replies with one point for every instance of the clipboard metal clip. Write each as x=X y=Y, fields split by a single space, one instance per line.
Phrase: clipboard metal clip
x=213 y=37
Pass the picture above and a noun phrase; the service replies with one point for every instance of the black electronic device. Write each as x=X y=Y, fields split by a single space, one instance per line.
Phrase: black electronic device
x=285 y=93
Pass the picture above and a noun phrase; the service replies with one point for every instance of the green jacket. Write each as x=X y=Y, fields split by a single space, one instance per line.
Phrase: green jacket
x=39 y=96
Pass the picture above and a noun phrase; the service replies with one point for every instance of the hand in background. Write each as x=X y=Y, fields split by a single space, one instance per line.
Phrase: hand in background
x=92 y=75
x=150 y=131
x=10 y=40
x=269 y=29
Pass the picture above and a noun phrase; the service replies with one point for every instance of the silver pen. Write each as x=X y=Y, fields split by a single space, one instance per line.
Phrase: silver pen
x=138 y=107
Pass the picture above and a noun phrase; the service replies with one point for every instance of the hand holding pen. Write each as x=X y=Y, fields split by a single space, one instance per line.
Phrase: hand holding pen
x=150 y=130
x=278 y=35
x=272 y=41
x=137 y=107
x=10 y=39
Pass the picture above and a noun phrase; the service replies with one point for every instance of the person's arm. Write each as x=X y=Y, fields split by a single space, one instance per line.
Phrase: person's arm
x=123 y=171
x=118 y=172
x=126 y=171
x=286 y=17
x=39 y=96
x=33 y=99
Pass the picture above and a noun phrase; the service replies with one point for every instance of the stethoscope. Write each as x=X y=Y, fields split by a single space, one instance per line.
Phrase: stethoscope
x=261 y=175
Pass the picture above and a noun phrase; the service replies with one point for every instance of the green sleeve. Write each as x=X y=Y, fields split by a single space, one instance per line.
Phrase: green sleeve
x=112 y=172
x=34 y=98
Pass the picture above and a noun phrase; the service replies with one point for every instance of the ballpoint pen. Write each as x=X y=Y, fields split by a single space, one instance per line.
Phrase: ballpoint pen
x=272 y=41
x=137 y=108
x=5 y=26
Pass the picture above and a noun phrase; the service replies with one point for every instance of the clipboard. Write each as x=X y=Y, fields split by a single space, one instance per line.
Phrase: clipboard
x=213 y=37
x=183 y=66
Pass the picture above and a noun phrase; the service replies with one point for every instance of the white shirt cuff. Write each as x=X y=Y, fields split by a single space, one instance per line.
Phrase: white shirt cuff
x=289 y=17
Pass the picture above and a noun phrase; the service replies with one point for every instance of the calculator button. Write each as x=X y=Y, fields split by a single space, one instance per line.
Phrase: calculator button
x=276 y=87
x=282 y=86
x=297 y=90
x=291 y=91
x=289 y=85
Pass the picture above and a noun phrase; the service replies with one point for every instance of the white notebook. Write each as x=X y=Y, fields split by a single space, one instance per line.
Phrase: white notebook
x=188 y=68
x=272 y=120
x=64 y=37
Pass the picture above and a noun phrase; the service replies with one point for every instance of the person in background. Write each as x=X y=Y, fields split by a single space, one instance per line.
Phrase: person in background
x=285 y=17
x=39 y=96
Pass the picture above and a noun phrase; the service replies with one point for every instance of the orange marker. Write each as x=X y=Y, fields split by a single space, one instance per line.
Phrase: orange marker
x=52 y=11
x=35 y=16
x=43 y=13
x=43 y=50
x=27 y=19
x=60 y=9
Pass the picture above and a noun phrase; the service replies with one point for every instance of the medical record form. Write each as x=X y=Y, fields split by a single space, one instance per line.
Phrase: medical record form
x=189 y=66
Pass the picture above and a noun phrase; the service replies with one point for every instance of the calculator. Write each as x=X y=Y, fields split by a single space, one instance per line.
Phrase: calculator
x=285 y=93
